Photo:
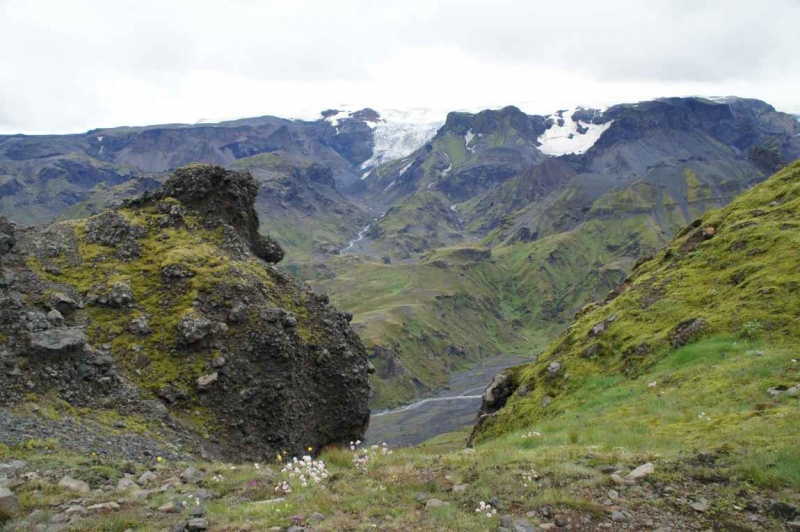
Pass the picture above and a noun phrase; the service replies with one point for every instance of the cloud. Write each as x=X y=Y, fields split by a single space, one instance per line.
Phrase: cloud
x=78 y=65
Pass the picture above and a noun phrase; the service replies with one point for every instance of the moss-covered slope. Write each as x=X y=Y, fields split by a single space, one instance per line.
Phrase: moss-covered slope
x=165 y=309
x=731 y=273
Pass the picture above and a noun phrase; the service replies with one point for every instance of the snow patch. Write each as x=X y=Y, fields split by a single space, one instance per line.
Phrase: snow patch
x=561 y=140
x=447 y=170
x=100 y=138
x=395 y=140
x=467 y=139
x=454 y=207
x=337 y=117
x=406 y=167
x=366 y=174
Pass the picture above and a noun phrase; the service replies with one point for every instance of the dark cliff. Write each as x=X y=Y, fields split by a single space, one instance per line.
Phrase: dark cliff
x=163 y=312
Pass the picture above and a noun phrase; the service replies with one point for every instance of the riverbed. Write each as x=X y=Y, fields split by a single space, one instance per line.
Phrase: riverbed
x=446 y=411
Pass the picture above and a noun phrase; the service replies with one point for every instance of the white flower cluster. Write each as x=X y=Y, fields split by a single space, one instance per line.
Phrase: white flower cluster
x=486 y=509
x=529 y=477
x=532 y=434
x=306 y=471
x=362 y=456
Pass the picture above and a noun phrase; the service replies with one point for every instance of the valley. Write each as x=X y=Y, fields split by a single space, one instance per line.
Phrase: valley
x=206 y=305
x=452 y=409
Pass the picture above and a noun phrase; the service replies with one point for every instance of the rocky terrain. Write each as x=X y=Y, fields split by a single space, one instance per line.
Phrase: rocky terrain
x=163 y=328
x=670 y=404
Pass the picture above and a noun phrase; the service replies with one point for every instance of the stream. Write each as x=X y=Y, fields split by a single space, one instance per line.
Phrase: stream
x=446 y=411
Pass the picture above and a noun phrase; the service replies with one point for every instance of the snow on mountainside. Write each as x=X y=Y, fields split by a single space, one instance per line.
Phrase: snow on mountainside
x=570 y=134
x=396 y=133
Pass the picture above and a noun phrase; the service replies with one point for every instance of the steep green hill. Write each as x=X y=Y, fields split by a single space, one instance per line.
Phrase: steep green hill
x=712 y=321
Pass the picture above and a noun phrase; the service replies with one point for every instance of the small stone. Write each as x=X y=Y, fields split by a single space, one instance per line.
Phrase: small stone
x=55 y=318
x=699 y=506
x=793 y=525
x=560 y=520
x=61 y=302
x=190 y=475
x=139 y=326
x=433 y=503
x=460 y=488
x=618 y=516
x=147 y=476
x=126 y=483
x=218 y=362
x=289 y=321
x=270 y=501
x=9 y=505
x=641 y=472
x=75 y=509
x=71 y=484
x=197 y=511
x=197 y=524
x=554 y=369
x=316 y=516
x=193 y=328
x=58 y=342
x=104 y=507
x=621 y=481
x=205 y=382
x=613 y=495
x=168 y=507
x=521 y=525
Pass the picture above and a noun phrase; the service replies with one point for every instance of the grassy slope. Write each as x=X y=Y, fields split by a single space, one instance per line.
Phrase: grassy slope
x=734 y=456
x=742 y=283
x=419 y=310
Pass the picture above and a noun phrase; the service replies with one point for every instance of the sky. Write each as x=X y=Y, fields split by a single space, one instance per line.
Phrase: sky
x=72 y=66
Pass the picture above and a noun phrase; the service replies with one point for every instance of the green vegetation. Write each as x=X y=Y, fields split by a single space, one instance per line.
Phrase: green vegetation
x=729 y=273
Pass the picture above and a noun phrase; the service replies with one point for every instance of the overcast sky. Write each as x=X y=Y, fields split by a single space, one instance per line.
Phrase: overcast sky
x=68 y=66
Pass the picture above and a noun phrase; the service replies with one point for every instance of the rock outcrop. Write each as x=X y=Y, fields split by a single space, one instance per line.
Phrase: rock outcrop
x=232 y=355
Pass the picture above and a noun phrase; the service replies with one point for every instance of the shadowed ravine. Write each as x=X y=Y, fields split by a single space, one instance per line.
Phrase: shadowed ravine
x=447 y=411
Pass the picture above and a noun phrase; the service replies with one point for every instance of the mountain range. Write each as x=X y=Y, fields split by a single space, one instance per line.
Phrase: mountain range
x=447 y=240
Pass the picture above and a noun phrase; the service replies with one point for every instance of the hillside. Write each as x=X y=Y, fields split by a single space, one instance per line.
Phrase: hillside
x=670 y=405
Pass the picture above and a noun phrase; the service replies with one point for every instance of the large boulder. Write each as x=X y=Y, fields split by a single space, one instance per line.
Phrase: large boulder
x=223 y=197
x=250 y=361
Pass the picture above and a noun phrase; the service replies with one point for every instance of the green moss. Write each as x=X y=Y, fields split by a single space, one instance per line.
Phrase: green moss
x=742 y=283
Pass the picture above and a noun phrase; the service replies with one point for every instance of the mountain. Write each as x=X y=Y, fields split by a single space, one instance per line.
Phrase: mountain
x=485 y=166
x=164 y=315
x=560 y=230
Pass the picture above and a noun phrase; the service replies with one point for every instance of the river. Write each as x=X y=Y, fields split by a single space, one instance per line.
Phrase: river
x=446 y=411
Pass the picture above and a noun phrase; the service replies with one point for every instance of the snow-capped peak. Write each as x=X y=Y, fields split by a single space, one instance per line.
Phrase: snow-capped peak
x=570 y=136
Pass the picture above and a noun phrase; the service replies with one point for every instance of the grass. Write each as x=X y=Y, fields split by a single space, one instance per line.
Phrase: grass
x=740 y=283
